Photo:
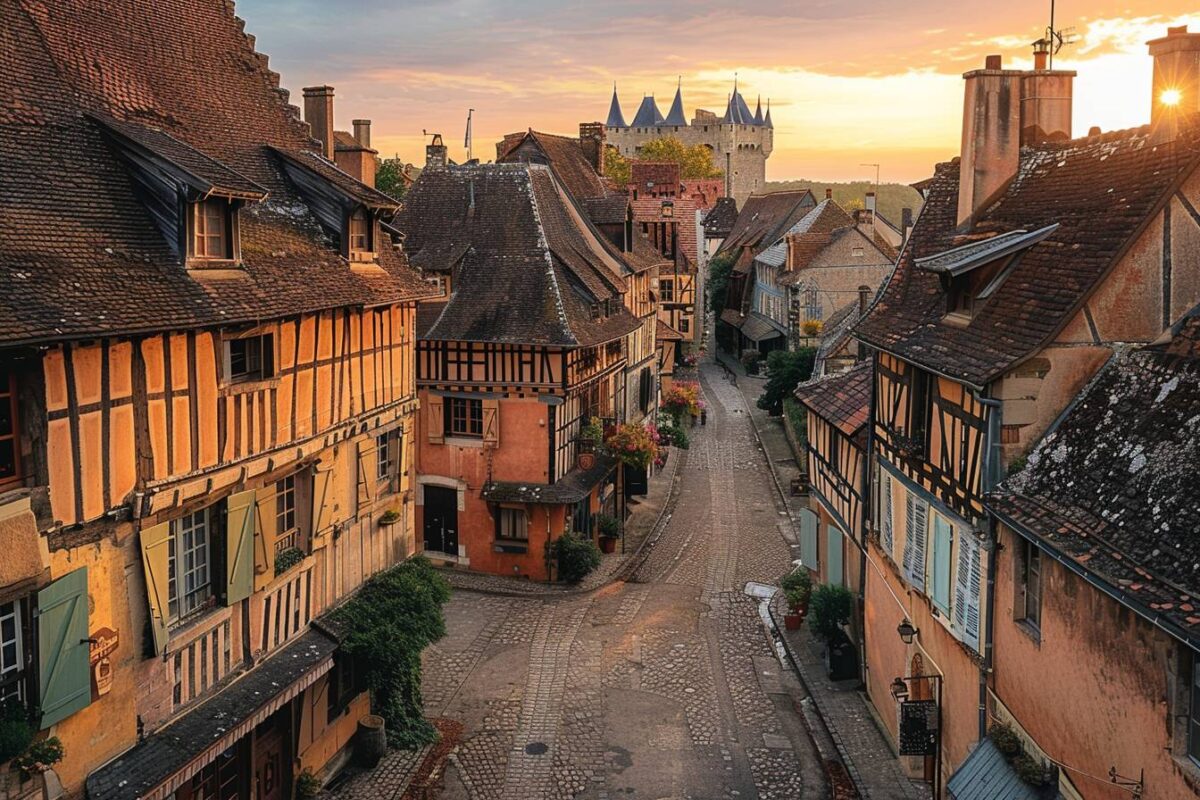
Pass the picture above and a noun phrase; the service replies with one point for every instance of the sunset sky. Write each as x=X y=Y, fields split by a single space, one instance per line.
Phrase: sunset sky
x=868 y=81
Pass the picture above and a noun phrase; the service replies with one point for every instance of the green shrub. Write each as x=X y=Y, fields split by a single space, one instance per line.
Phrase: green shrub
x=751 y=360
x=672 y=431
x=15 y=730
x=797 y=586
x=307 y=785
x=830 y=607
x=720 y=267
x=1032 y=771
x=390 y=516
x=787 y=369
x=41 y=756
x=576 y=557
x=798 y=417
x=1005 y=739
x=286 y=559
x=389 y=621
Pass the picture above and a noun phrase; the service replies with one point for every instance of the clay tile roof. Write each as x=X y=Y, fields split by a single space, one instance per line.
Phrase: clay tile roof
x=533 y=271
x=610 y=210
x=841 y=400
x=812 y=234
x=564 y=155
x=718 y=222
x=1114 y=485
x=765 y=217
x=343 y=140
x=201 y=172
x=80 y=253
x=1100 y=191
x=343 y=182
x=665 y=332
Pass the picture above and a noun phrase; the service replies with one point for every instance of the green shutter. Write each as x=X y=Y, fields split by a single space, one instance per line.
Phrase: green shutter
x=808 y=539
x=156 y=544
x=943 y=536
x=64 y=668
x=239 y=547
x=833 y=561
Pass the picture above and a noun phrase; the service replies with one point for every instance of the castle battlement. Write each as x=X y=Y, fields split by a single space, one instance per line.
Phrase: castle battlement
x=741 y=140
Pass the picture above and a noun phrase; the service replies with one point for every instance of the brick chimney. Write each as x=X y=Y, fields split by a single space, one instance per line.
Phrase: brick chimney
x=362 y=132
x=906 y=223
x=828 y=193
x=1176 y=89
x=436 y=153
x=592 y=138
x=1004 y=109
x=318 y=113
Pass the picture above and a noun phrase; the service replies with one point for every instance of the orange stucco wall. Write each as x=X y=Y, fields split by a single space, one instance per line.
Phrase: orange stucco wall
x=1115 y=671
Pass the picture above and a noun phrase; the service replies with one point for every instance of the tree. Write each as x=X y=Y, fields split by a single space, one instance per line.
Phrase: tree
x=694 y=162
x=720 y=267
x=787 y=369
x=616 y=166
x=390 y=178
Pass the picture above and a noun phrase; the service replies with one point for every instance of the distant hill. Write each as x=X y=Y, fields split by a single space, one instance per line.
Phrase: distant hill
x=893 y=197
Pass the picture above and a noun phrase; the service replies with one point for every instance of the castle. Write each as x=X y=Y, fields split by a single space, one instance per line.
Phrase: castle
x=741 y=141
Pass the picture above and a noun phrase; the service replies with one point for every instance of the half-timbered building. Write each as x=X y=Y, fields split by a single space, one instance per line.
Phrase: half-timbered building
x=528 y=345
x=208 y=394
x=1035 y=256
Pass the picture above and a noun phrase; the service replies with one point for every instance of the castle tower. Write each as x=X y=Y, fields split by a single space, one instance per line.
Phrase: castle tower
x=741 y=141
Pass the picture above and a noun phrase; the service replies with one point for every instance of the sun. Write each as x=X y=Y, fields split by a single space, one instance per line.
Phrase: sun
x=1170 y=97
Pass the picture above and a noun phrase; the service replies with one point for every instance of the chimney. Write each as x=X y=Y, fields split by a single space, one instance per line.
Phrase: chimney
x=828 y=193
x=1176 y=89
x=1004 y=109
x=1041 y=55
x=592 y=139
x=362 y=132
x=318 y=113
x=906 y=223
x=435 y=153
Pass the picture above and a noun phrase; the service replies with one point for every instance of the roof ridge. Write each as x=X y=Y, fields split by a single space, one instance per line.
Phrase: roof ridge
x=551 y=274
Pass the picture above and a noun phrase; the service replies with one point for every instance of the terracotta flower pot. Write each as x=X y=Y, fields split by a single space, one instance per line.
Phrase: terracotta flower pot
x=608 y=544
x=792 y=621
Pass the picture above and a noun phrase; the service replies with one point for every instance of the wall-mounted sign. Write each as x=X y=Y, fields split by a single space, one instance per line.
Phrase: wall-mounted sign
x=918 y=728
x=104 y=644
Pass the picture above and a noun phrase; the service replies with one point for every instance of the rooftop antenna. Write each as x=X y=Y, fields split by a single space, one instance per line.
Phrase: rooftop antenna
x=1057 y=39
x=467 y=138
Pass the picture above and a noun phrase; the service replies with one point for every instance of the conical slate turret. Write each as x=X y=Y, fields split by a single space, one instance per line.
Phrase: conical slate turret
x=767 y=119
x=758 y=115
x=648 y=114
x=615 y=118
x=675 y=116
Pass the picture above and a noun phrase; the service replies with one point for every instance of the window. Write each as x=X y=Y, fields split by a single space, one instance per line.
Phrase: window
x=189 y=561
x=464 y=417
x=10 y=446
x=886 y=529
x=919 y=407
x=1031 y=584
x=285 y=514
x=250 y=359
x=360 y=232
x=666 y=290
x=857 y=251
x=513 y=524
x=685 y=325
x=388 y=456
x=13 y=657
x=210 y=230
x=344 y=684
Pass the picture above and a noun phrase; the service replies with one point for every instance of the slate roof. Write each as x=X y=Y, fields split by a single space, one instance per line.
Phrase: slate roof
x=719 y=220
x=765 y=217
x=826 y=218
x=974 y=254
x=836 y=333
x=1101 y=191
x=648 y=114
x=676 y=116
x=842 y=400
x=570 y=488
x=987 y=775
x=79 y=253
x=527 y=266
x=615 y=118
x=345 y=183
x=736 y=111
x=1114 y=487
x=165 y=752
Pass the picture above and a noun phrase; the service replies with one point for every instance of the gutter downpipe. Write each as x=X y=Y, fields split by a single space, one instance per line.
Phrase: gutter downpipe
x=990 y=477
x=867 y=519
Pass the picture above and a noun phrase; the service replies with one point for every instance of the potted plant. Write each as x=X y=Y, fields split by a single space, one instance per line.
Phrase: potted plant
x=41 y=756
x=610 y=529
x=797 y=588
x=308 y=785
x=576 y=556
x=831 y=609
x=389 y=517
x=634 y=445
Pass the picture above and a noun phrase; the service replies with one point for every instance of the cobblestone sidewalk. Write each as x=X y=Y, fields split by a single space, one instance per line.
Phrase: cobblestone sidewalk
x=863 y=749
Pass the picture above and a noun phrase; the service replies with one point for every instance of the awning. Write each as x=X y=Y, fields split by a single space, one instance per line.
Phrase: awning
x=986 y=775
x=758 y=328
x=570 y=488
x=167 y=759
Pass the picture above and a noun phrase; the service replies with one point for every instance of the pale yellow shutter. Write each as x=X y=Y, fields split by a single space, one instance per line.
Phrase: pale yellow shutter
x=367 y=470
x=491 y=422
x=322 y=504
x=265 y=536
x=435 y=420
x=241 y=542
x=156 y=544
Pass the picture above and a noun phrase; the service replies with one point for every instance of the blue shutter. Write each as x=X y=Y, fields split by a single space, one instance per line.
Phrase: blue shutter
x=64 y=669
x=808 y=539
x=943 y=536
x=833 y=561
x=962 y=585
x=907 y=561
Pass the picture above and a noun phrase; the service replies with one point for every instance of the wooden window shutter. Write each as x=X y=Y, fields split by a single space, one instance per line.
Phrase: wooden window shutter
x=368 y=469
x=491 y=422
x=833 y=559
x=436 y=420
x=974 y=587
x=887 y=532
x=919 y=534
x=322 y=503
x=265 y=536
x=943 y=538
x=909 y=526
x=962 y=582
x=808 y=539
x=239 y=547
x=64 y=664
x=156 y=542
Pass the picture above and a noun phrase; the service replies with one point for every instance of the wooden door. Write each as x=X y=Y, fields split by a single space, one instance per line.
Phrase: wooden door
x=441 y=520
x=269 y=765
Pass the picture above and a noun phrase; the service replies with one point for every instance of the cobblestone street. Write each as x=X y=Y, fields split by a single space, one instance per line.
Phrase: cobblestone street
x=662 y=686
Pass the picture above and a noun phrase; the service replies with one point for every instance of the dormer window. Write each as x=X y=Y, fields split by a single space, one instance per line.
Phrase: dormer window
x=361 y=236
x=211 y=230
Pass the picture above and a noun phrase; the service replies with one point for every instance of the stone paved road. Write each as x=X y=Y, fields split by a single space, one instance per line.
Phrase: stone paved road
x=665 y=686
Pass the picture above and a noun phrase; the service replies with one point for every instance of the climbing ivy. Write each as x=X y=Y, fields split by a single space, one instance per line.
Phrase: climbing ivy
x=391 y=619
